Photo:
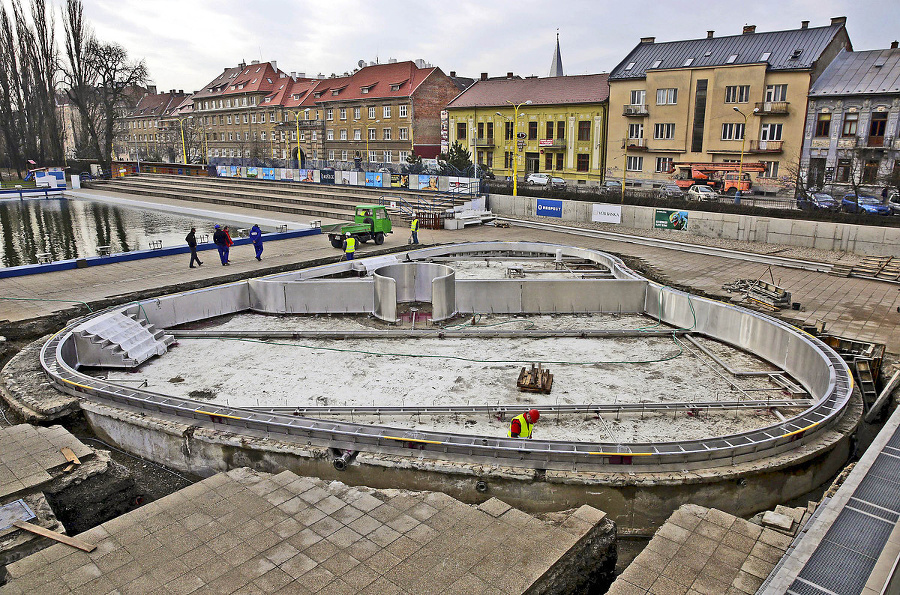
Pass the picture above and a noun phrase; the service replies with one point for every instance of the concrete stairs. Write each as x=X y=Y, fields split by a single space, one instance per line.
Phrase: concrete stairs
x=118 y=340
x=314 y=200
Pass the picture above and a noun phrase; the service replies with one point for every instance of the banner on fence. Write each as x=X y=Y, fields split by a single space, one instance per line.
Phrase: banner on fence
x=666 y=219
x=399 y=181
x=548 y=208
x=252 y=172
x=428 y=182
x=603 y=213
x=326 y=176
x=268 y=173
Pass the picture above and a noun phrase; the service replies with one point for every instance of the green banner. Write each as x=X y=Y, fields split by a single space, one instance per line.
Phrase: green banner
x=666 y=219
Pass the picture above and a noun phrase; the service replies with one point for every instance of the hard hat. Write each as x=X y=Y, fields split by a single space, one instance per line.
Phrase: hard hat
x=534 y=414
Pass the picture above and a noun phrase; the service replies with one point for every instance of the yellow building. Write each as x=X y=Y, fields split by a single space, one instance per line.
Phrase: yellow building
x=559 y=127
x=717 y=99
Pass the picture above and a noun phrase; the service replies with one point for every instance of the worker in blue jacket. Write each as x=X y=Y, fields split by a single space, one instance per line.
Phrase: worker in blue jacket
x=256 y=238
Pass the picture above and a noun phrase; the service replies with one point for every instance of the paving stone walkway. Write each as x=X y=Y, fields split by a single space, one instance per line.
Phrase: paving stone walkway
x=28 y=454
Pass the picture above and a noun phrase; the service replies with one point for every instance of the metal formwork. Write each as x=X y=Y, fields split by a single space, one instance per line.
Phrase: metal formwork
x=815 y=366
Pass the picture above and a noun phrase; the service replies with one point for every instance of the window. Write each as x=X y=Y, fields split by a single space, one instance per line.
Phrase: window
x=271 y=116
x=688 y=62
x=372 y=113
x=638 y=97
x=770 y=132
x=329 y=114
x=245 y=119
x=404 y=134
x=386 y=134
x=329 y=134
x=404 y=156
x=228 y=119
x=851 y=120
x=823 y=124
x=357 y=134
x=343 y=113
x=560 y=130
x=630 y=66
x=302 y=135
x=771 y=169
x=870 y=172
x=387 y=111
x=549 y=133
x=656 y=64
x=402 y=111
x=634 y=163
x=344 y=155
x=356 y=113
x=314 y=135
x=737 y=94
x=331 y=155
x=765 y=56
x=666 y=96
x=664 y=131
x=489 y=159
x=583 y=163
x=461 y=130
x=548 y=161
x=532 y=130
x=584 y=130
x=262 y=135
x=373 y=156
x=635 y=131
x=246 y=136
x=509 y=131
x=877 y=127
x=776 y=93
x=507 y=160
x=282 y=136
x=731 y=59
x=372 y=134
x=343 y=134
x=733 y=131
x=388 y=156
x=663 y=165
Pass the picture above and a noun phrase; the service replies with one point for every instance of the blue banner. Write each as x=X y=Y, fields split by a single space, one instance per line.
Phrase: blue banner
x=268 y=173
x=549 y=208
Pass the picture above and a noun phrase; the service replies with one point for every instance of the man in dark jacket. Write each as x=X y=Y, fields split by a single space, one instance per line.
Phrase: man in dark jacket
x=191 y=240
x=256 y=238
x=221 y=242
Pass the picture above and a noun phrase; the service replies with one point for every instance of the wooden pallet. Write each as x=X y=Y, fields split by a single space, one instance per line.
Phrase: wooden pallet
x=535 y=380
x=890 y=271
x=871 y=266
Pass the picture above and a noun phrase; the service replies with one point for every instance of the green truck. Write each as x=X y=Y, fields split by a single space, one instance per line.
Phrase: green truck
x=371 y=222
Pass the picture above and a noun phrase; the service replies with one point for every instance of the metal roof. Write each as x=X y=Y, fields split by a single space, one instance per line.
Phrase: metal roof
x=859 y=73
x=557 y=90
x=748 y=48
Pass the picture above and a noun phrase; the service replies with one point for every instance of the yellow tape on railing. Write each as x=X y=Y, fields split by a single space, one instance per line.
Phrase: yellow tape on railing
x=412 y=440
x=216 y=414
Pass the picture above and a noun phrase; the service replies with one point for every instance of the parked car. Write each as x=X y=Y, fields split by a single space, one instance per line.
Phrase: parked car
x=818 y=201
x=894 y=203
x=558 y=183
x=670 y=191
x=537 y=179
x=867 y=205
x=702 y=192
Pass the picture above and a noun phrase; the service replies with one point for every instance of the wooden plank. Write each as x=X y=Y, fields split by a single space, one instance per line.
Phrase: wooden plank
x=70 y=455
x=38 y=530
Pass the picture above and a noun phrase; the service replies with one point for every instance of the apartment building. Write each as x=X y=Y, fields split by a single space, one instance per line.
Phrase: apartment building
x=141 y=131
x=853 y=132
x=559 y=126
x=714 y=99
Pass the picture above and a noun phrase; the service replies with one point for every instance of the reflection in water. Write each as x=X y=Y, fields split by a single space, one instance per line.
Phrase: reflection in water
x=73 y=228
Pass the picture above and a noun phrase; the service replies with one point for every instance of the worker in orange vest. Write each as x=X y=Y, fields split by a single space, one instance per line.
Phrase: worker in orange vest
x=522 y=425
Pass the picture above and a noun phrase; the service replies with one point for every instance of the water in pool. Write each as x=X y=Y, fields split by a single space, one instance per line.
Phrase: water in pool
x=74 y=228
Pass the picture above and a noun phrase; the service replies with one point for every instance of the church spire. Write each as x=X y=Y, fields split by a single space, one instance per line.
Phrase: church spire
x=556 y=67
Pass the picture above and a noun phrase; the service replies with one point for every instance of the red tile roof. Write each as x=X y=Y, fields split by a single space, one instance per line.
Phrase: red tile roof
x=398 y=79
x=156 y=105
x=558 y=90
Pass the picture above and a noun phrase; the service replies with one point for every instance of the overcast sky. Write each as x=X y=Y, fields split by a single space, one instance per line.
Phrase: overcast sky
x=187 y=43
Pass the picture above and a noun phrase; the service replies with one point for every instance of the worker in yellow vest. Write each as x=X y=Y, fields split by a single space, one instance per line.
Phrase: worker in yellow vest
x=414 y=228
x=349 y=246
x=522 y=425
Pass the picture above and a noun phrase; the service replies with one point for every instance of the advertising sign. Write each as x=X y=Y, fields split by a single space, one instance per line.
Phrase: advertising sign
x=428 y=182
x=252 y=172
x=268 y=173
x=545 y=142
x=326 y=176
x=602 y=213
x=445 y=131
x=307 y=175
x=373 y=179
x=548 y=208
x=666 y=219
x=399 y=181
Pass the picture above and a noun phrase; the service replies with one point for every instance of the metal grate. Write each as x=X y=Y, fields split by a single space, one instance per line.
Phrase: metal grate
x=837 y=569
x=14 y=511
x=860 y=532
x=875 y=511
x=802 y=588
x=879 y=491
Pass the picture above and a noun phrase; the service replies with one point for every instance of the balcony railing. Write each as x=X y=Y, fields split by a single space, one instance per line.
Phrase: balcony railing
x=773 y=107
x=766 y=146
x=877 y=142
x=635 y=144
x=484 y=142
x=636 y=110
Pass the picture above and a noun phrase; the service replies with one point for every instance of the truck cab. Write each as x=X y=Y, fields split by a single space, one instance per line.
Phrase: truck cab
x=370 y=222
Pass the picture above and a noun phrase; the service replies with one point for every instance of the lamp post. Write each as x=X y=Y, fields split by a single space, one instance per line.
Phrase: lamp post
x=516 y=107
x=183 y=147
x=368 y=162
x=737 y=194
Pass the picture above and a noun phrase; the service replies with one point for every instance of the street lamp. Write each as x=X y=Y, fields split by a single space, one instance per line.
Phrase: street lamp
x=516 y=131
x=183 y=147
x=737 y=194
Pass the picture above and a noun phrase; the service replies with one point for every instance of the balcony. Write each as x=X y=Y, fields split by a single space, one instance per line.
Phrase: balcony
x=552 y=143
x=879 y=142
x=635 y=144
x=485 y=142
x=766 y=146
x=772 y=108
x=638 y=110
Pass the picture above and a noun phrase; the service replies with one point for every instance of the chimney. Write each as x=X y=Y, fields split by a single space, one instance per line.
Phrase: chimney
x=709 y=34
x=838 y=21
x=274 y=67
x=748 y=29
x=894 y=44
x=804 y=24
x=181 y=91
x=484 y=76
x=509 y=75
x=648 y=39
x=453 y=73
x=301 y=75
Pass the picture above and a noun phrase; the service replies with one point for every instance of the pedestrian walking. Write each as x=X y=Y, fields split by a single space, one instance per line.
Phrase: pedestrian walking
x=220 y=239
x=256 y=238
x=349 y=246
x=522 y=425
x=191 y=240
x=414 y=228
x=228 y=241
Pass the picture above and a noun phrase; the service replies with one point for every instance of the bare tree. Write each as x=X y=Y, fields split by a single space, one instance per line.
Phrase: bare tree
x=100 y=81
